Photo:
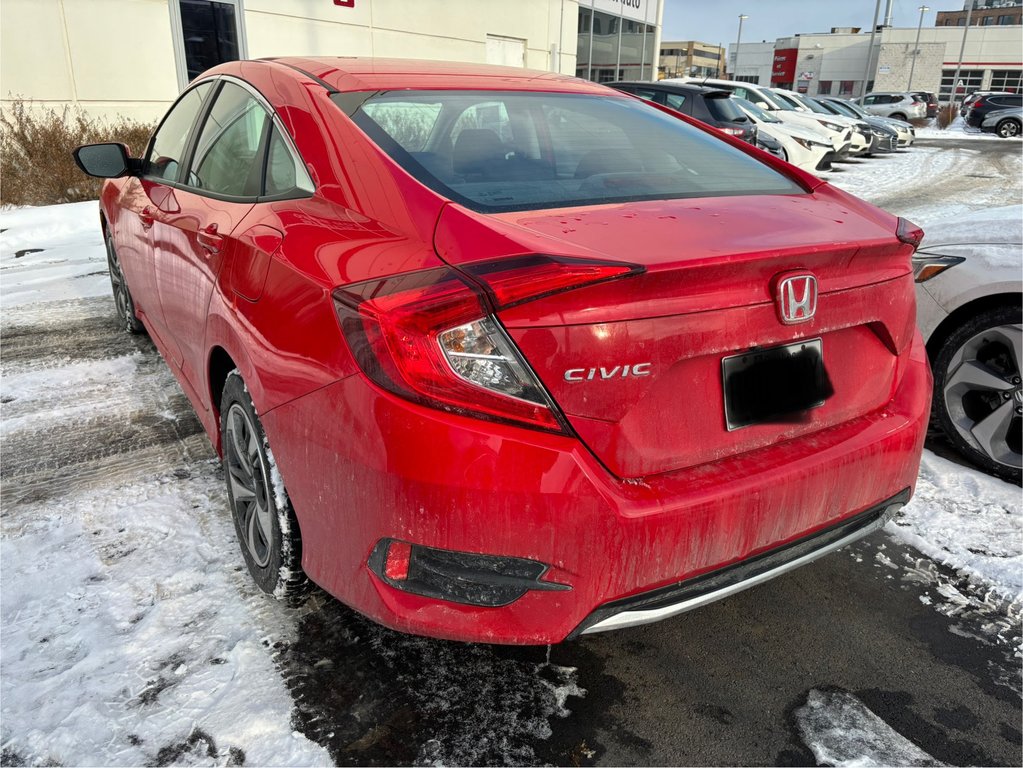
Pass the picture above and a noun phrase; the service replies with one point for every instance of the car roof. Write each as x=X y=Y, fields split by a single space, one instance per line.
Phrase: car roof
x=690 y=87
x=353 y=73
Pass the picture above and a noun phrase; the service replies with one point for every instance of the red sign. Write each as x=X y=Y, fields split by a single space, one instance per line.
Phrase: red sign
x=345 y=3
x=784 y=68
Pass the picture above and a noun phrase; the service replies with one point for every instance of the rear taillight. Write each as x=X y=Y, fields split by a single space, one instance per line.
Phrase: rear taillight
x=909 y=233
x=433 y=337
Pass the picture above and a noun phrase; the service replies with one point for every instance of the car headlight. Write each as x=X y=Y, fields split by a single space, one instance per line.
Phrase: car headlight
x=926 y=266
x=831 y=126
x=809 y=143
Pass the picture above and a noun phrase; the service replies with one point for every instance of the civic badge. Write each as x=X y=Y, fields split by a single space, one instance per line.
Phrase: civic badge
x=796 y=297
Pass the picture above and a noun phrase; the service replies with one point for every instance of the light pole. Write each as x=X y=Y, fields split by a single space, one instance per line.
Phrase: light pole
x=916 y=47
x=738 y=39
x=870 y=48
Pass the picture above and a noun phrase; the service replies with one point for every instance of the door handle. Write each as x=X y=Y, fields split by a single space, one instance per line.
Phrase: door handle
x=209 y=239
x=146 y=216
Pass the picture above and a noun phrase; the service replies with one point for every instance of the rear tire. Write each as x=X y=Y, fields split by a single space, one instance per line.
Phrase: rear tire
x=267 y=529
x=897 y=116
x=977 y=392
x=123 y=303
x=1008 y=128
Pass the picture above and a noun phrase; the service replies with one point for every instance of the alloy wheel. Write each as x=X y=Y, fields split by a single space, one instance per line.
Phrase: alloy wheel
x=1008 y=129
x=250 y=490
x=117 y=283
x=983 y=394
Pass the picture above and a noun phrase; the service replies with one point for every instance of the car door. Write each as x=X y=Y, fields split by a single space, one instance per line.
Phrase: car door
x=142 y=200
x=221 y=185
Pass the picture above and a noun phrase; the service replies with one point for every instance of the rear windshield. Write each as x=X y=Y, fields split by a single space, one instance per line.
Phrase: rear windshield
x=724 y=109
x=497 y=151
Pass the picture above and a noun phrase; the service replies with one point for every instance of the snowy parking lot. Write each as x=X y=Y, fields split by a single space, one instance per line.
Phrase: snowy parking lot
x=132 y=633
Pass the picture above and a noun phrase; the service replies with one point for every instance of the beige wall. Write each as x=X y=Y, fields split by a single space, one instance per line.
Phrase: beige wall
x=117 y=57
x=57 y=52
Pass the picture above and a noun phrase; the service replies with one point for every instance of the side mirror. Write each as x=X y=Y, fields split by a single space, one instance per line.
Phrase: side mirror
x=763 y=105
x=105 y=161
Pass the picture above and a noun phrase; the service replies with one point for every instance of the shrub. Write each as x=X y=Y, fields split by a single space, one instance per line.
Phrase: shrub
x=36 y=167
x=947 y=115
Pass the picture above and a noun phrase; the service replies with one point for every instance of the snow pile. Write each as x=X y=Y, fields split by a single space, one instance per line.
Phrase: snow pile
x=841 y=731
x=132 y=633
x=968 y=521
x=957 y=129
x=72 y=262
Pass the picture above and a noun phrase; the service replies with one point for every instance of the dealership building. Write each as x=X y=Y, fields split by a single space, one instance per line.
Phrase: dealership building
x=132 y=57
x=835 y=63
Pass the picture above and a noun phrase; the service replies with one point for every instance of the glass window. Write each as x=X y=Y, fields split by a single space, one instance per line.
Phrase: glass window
x=408 y=124
x=227 y=157
x=1007 y=20
x=285 y=173
x=972 y=80
x=845 y=87
x=210 y=32
x=1007 y=80
x=674 y=100
x=596 y=150
x=824 y=87
x=168 y=145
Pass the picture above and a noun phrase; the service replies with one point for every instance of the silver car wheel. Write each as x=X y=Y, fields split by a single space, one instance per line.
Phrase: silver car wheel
x=983 y=395
x=250 y=488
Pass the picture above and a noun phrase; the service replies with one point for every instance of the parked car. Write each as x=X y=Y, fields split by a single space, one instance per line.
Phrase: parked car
x=900 y=105
x=930 y=99
x=969 y=294
x=1005 y=122
x=708 y=105
x=883 y=137
x=840 y=135
x=976 y=96
x=506 y=356
x=803 y=147
x=905 y=131
x=860 y=137
x=980 y=108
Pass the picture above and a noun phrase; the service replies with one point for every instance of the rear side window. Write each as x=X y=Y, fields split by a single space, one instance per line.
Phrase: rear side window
x=285 y=173
x=675 y=100
x=167 y=149
x=723 y=109
x=505 y=150
x=227 y=158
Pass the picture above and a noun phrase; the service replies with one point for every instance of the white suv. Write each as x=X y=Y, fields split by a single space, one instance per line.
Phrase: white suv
x=897 y=105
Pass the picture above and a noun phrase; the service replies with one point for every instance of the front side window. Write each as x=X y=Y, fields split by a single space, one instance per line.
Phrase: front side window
x=227 y=158
x=591 y=151
x=167 y=148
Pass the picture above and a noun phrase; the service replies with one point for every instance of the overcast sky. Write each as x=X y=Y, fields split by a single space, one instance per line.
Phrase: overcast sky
x=717 y=21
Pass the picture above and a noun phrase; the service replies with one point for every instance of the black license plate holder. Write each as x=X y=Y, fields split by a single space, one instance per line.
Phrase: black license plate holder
x=774 y=385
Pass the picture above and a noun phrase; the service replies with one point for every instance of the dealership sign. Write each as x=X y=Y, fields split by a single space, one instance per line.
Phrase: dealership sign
x=784 y=68
x=637 y=10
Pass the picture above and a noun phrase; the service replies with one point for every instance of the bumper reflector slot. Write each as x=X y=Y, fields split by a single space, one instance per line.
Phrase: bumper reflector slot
x=461 y=577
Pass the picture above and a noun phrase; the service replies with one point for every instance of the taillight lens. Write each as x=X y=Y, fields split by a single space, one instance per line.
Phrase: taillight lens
x=909 y=233
x=432 y=336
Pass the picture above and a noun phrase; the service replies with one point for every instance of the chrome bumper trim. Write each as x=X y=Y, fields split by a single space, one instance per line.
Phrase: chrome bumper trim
x=630 y=618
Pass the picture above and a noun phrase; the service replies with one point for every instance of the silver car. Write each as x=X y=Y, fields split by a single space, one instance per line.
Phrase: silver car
x=970 y=309
x=1005 y=122
x=895 y=104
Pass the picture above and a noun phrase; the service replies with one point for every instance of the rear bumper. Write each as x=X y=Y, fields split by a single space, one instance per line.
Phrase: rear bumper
x=694 y=593
x=361 y=465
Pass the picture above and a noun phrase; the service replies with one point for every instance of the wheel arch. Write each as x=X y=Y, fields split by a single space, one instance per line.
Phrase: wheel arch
x=223 y=358
x=960 y=314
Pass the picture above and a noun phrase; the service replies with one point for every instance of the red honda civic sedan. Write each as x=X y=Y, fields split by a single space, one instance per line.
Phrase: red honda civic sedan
x=506 y=356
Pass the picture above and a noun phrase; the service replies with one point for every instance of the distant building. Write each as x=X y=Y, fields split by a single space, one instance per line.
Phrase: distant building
x=690 y=58
x=986 y=13
x=834 y=63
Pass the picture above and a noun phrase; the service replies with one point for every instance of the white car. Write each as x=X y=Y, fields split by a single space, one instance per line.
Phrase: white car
x=906 y=131
x=969 y=294
x=860 y=139
x=840 y=135
x=897 y=104
x=805 y=148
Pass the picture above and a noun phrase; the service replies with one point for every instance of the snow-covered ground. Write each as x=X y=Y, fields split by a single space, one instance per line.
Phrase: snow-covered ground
x=957 y=129
x=131 y=633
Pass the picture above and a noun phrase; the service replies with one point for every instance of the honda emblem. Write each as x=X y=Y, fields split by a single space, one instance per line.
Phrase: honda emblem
x=796 y=297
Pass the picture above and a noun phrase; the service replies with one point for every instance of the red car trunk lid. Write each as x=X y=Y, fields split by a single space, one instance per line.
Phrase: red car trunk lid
x=706 y=294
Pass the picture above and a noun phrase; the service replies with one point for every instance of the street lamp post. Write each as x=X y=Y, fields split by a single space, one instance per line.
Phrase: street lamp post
x=916 y=47
x=738 y=39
